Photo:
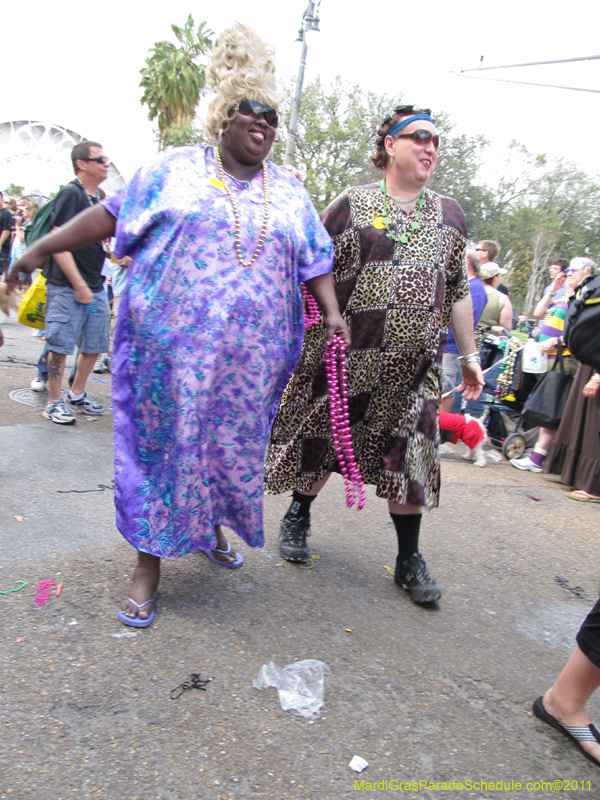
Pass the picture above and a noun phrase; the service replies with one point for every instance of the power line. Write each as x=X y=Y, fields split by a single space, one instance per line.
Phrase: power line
x=537 y=64
x=528 y=83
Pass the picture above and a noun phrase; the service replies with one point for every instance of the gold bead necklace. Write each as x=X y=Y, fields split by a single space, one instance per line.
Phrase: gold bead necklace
x=261 y=239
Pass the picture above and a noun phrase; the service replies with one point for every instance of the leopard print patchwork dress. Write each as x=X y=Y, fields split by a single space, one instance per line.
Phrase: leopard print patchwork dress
x=397 y=300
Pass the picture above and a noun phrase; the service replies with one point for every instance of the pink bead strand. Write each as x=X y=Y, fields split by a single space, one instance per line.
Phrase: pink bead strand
x=337 y=382
x=312 y=315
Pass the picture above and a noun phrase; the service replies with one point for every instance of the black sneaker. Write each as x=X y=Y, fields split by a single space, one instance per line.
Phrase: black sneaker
x=414 y=576
x=292 y=537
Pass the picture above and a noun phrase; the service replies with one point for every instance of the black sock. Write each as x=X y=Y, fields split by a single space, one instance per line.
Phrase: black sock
x=300 y=506
x=407 y=529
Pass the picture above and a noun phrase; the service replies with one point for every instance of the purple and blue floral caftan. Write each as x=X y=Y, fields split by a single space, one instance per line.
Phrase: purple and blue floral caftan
x=204 y=346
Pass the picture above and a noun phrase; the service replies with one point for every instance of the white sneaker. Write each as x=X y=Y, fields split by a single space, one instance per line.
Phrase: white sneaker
x=525 y=463
x=38 y=385
x=99 y=366
x=87 y=405
x=60 y=413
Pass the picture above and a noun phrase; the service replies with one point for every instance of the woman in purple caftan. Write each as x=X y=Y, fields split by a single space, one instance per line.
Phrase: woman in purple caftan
x=210 y=328
x=204 y=346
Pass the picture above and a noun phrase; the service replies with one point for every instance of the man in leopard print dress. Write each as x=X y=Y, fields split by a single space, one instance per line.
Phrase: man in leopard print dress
x=400 y=274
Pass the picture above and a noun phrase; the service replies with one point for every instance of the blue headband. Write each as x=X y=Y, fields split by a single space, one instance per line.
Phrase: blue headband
x=399 y=125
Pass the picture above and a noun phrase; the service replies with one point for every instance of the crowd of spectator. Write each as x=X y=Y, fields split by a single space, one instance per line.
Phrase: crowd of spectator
x=15 y=219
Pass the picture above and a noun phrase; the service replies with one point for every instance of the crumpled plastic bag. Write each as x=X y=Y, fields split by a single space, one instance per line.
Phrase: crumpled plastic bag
x=300 y=685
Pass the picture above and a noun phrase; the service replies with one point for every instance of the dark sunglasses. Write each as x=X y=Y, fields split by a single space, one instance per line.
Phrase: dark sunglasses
x=421 y=137
x=252 y=108
x=98 y=159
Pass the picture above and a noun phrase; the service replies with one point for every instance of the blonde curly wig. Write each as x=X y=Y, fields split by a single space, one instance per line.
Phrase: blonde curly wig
x=242 y=67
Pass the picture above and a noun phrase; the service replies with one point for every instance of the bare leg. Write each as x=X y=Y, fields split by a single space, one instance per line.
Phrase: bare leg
x=447 y=403
x=574 y=686
x=222 y=545
x=144 y=585
x=56 y=370
x=316 y=487
x=545 y=438
x=396 y=508
x=85 y=364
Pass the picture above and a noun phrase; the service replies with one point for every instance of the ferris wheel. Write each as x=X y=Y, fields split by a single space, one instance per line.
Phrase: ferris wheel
x=37 y=156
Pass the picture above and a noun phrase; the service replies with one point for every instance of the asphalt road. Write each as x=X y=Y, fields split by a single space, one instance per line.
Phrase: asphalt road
x=422 y=695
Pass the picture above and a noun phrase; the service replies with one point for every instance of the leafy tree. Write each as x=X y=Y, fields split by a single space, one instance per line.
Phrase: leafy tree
x=174 y=77
x=456 y=173
x=335 y=137
x=544 y=251
x=181 y=134
x=12 y=190
x=572 y=198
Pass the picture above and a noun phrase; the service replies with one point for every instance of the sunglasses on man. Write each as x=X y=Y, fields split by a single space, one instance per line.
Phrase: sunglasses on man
x=252 y=108
x=97 y=159
x=421 y=137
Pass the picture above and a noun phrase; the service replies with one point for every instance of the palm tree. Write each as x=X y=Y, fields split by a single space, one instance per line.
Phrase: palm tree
x=173 y=78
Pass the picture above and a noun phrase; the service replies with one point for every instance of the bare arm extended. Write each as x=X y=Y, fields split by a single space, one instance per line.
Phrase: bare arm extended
x=322 y=289
x=462 y=328
x=542 y=307
x=506 y=313
x=90 y=226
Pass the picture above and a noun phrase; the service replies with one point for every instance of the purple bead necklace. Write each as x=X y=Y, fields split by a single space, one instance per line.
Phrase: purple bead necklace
x=335 y=366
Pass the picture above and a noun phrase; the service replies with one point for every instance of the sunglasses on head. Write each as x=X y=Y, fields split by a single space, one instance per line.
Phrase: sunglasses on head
x=252 y=108
x=97 y=159
x=421 y=137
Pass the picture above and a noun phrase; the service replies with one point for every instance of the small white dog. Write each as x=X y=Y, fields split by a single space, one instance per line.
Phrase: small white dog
x=477 y=454
x=469 y=430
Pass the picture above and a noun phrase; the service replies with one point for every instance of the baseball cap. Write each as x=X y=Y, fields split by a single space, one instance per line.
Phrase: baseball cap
x=490 y=270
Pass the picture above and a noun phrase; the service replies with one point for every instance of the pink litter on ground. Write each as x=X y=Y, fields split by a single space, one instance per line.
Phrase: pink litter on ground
x=44 y=590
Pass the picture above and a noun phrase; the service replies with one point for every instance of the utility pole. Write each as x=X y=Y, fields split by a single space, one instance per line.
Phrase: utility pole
x=310 y=22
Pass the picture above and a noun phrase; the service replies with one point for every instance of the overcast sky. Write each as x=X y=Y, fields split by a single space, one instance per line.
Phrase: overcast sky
x=77 y=65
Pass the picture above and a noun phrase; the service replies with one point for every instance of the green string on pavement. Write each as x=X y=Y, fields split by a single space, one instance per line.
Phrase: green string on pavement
x=16 y=589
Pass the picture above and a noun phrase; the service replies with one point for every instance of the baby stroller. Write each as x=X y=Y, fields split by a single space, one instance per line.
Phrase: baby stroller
x=505 y=392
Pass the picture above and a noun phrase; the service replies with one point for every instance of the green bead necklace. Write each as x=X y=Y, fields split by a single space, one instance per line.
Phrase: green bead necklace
x=386 y=222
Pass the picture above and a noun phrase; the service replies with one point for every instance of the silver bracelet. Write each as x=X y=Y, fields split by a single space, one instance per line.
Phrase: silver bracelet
x=467 y=359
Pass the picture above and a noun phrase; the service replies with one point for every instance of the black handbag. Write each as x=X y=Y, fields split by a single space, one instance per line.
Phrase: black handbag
x=548 y=400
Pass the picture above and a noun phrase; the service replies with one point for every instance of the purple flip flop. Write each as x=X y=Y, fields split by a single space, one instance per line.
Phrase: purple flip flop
x=233 y=565
x=136 y=622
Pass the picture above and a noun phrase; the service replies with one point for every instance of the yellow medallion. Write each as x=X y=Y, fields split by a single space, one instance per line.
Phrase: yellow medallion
x=217 y=183
x=379 y=223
